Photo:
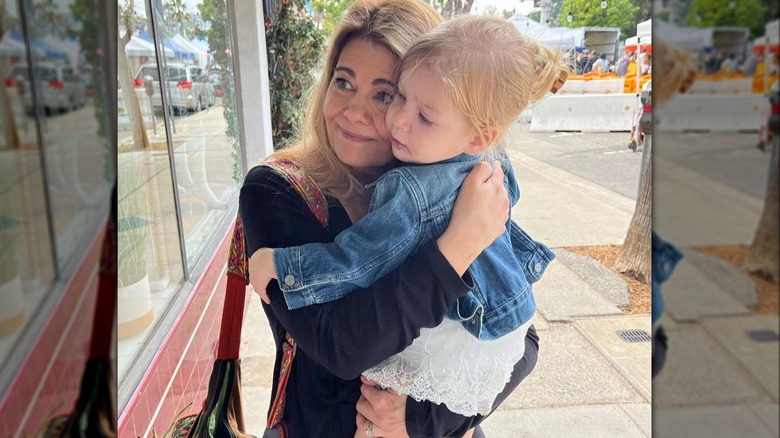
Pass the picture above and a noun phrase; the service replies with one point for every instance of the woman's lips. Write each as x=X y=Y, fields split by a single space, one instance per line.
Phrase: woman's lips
x=351 y=136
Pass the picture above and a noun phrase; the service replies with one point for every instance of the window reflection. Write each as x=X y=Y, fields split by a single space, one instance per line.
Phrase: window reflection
x=172 y=114
x=64 y=71
x=54 y=163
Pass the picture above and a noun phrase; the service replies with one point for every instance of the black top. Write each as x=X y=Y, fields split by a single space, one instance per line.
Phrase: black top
x=340 y=339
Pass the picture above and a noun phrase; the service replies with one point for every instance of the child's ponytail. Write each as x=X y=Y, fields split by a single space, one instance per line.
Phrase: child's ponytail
x=551 y=72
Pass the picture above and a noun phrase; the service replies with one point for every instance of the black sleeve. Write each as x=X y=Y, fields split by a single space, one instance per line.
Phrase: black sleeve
x=426 y=419
x=349 y=335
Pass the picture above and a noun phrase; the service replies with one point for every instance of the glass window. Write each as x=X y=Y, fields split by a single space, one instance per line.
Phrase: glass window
x=169 y=220
x=48 y=214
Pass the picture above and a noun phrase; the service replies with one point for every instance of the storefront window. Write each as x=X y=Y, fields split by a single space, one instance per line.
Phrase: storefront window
x=179 y=159
x=55 y=165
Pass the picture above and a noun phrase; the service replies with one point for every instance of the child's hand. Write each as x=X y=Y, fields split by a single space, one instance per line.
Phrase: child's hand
x=261 y=271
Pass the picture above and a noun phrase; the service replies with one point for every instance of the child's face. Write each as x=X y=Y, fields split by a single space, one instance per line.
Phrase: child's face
x=424 y=125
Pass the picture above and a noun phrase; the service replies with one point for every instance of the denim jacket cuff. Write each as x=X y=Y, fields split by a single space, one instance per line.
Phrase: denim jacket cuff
x=291 y=282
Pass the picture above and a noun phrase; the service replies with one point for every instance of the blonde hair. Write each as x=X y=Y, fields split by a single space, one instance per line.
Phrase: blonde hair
x=395 y=24
x=676 y=68
x=490 y=70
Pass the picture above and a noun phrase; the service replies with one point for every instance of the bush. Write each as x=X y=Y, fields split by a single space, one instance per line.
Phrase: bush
x=295 y=46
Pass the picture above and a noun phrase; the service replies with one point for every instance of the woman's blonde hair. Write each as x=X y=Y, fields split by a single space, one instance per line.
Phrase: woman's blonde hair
x=396 y=24
x=490 y=70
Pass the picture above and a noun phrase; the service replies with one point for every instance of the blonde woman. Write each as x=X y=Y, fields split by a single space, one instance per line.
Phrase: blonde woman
x=344 y=146
x=447 y=115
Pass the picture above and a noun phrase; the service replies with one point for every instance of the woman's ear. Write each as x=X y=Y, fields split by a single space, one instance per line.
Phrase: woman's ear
x=482 y=140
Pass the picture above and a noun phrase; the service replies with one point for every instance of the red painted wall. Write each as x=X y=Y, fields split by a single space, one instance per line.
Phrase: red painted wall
x=190 y=346
x=48 y=382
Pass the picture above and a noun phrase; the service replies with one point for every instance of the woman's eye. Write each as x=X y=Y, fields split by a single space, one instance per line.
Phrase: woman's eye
x=424 y=119
x=384 y=97
x=342 y=84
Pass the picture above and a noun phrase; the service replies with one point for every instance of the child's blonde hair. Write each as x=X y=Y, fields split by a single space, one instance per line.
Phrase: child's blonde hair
x=490 y=70
x=676 y=68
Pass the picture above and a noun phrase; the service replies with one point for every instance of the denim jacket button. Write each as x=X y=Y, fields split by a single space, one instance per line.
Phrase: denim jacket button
x=289 y=280
x=538 y=267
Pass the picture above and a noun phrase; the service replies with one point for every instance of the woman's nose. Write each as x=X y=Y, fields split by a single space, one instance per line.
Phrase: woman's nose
x=358 y=111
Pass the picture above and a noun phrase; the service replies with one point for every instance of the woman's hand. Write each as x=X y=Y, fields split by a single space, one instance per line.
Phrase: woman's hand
x=262 y=271
x=478 y=218
x=383 y=410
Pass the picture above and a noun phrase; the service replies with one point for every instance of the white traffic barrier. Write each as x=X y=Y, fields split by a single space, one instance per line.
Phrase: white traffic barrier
x=585 y=113
x=710 y=113
x=596 y=86
x=724 y=86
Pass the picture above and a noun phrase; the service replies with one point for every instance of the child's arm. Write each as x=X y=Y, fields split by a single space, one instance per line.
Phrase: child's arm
x=359 y=256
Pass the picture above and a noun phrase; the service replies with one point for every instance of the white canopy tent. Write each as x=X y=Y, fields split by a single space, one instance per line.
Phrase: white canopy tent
x=201 y=55
x=683 y=37
x=139 y=47
x=644 y=30
x=555 y=37
x=772 y=31
x=11 y=47
x=71 y=49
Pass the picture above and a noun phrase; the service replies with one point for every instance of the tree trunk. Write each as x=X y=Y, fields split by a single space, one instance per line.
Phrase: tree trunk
x=9 y=123
x=456 y=7
x=763 y=259
x=140 y=139
x=634 y=258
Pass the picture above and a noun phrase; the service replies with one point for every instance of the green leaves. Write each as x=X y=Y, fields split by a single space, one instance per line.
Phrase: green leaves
x=746 y=13
x=618 y=13
x=329 y=12
x=295 y=47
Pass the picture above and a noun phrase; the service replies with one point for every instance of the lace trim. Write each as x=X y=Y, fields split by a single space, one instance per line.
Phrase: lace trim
x=447 y=364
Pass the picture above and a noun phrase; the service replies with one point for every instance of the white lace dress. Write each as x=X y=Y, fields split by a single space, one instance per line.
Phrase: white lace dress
x=447 y=364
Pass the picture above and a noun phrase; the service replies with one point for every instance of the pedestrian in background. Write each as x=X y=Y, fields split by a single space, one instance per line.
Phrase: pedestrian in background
x=622 y=64
x=601 y=65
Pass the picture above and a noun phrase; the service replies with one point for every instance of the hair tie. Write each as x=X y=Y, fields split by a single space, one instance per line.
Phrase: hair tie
x=562 y=76
x=686 y=84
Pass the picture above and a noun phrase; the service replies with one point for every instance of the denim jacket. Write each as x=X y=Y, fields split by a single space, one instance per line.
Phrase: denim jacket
x=665 y=257
x=411 y=206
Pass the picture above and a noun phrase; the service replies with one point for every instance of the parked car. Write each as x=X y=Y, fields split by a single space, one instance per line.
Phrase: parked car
x=189 y=87
x=60 y=86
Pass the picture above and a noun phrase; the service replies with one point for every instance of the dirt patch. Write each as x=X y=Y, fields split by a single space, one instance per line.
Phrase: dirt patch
x=639 y=294
x=768 y=292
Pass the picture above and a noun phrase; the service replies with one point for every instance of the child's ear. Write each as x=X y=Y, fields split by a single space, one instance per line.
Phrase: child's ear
x=482 y=140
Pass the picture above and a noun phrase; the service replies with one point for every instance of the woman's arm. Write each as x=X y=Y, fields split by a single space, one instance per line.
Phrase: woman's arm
x=396 y=416
x=352 y=334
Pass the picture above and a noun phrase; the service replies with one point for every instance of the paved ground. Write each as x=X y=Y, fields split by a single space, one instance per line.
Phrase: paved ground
x=579 y=189
x=721 y=376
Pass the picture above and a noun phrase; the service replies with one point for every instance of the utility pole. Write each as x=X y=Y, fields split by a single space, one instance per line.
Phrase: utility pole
x=545 y=17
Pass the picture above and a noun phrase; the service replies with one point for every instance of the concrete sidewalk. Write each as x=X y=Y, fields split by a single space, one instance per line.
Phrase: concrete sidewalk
x=720 y=378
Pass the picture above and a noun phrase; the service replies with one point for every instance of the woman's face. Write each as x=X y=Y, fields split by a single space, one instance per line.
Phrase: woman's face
x=357 y=98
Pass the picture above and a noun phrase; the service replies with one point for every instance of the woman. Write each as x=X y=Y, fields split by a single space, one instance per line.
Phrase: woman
x=343 y=147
